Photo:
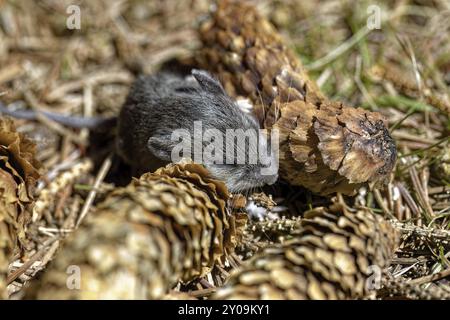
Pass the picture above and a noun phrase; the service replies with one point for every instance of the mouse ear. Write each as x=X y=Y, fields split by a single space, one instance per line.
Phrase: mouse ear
x=158 y=146
x=208 y=82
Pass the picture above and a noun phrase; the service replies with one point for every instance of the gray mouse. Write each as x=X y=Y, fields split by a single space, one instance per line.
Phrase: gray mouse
x=159 y=104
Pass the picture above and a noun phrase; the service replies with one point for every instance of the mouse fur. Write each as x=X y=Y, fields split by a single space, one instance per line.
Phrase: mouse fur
x=161 y=103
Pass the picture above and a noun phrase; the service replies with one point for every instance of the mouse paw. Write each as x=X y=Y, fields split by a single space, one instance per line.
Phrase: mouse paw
x=245 y=105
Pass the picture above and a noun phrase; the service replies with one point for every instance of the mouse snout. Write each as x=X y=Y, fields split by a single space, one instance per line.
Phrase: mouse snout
x=267 y=178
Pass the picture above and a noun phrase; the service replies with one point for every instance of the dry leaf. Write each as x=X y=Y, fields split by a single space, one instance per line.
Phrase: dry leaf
x=18 y=176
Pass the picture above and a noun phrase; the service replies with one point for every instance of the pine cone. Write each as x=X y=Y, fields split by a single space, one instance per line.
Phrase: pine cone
x=324 y=146
x=329 y=258
x=167 y=226
x=18 y=175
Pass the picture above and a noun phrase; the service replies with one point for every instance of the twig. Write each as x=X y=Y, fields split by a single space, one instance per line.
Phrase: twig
x=91 y=196
x=431 y=277
x=437 y=235
x=13 y=276
x=338 y=51
x=202 y=292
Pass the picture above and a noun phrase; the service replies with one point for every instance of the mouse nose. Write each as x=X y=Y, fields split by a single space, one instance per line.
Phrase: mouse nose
x=271 y=179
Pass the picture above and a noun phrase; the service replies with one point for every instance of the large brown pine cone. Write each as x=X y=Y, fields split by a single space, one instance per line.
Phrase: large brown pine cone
x=324 y=146
x=336 y=254
x=168 y=226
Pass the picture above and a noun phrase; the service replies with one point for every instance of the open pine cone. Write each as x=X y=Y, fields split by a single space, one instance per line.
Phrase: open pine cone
x=334 y=255
x=18 y=175
x=324 y=146
x=168 y=226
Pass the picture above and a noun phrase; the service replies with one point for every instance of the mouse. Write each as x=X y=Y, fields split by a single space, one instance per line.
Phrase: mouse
x=160 y=105
x=164 y=103
x=71 y=121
